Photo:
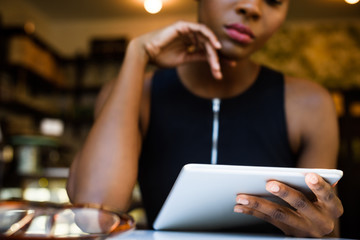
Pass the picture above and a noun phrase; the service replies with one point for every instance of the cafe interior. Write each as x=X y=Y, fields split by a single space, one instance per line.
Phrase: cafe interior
x=57 y=55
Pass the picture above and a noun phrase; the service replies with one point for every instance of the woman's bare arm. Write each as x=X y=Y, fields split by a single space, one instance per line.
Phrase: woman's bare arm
x=105 y=170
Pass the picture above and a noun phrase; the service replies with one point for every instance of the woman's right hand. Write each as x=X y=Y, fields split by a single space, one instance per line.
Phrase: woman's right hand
x=180 y=43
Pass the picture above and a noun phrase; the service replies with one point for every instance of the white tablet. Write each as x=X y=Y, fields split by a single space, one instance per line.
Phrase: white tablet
x=203 y=196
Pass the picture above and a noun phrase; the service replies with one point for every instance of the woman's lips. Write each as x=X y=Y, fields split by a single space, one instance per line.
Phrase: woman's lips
x=240 y=33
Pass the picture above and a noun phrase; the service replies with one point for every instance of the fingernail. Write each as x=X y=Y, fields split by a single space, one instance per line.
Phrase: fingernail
x=313 y=179
x=274 y=188
x=242 y=201
x=238 y=210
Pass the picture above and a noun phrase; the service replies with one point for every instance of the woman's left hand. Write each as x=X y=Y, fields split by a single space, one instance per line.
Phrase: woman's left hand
x=308 y=218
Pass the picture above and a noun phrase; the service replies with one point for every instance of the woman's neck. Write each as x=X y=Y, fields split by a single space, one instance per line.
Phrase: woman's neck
x=237 y=78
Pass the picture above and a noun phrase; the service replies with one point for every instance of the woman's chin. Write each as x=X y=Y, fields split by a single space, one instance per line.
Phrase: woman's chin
x=231 y=56
x=234 y=52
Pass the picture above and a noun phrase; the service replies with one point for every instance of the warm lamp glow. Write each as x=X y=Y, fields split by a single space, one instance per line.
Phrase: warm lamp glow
x=153 y=6
x=351 y=1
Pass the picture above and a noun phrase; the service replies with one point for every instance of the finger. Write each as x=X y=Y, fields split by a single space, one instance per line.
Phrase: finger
x=325 y=193
x=293 y=197
x=183 y=31
x=276 y=212
x=307 y=209
x=252 y=212
x=194 y=56
x=213 y=60
x=193 y=37
x=199 y=43
x=186 y=28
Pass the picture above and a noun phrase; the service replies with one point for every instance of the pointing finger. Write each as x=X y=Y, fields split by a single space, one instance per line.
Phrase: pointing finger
x=213 y=60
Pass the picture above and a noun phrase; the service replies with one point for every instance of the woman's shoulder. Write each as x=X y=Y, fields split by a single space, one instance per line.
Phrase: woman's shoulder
x=308 y=107
x=306 y=93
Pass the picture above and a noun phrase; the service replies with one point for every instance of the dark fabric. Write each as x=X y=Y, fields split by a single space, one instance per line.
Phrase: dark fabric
x=252 y=131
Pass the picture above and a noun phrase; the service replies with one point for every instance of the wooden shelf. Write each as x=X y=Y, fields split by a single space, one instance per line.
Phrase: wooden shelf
x=27 y=105
x=36 y=82
x=57 y=173
x=33 y=80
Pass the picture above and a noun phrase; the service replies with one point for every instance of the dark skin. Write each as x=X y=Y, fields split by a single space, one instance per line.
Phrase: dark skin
x=211 y=64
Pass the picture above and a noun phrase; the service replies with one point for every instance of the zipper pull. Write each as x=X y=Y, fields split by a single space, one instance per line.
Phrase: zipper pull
x=216 y=105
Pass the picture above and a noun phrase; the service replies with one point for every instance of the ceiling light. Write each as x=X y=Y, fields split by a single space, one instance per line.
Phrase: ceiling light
x=351 y=1
x=153 y=6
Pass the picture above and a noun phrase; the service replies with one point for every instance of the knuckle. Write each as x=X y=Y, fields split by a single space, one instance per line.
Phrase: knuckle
x=301 y=203
x=319 y=187
x=279 y=215
x=330 y=196
x=255 y=205
x=181 y=26
x=249 y=211
x=180 y=23
x=283 y=193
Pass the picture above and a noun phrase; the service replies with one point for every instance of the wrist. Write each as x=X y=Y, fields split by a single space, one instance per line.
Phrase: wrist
x=136 y=49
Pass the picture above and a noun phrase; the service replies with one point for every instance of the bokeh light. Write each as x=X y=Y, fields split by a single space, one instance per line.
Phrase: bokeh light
x=153 y=6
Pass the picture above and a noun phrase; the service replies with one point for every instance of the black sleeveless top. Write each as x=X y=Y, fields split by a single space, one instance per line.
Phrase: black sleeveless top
x=252 y=131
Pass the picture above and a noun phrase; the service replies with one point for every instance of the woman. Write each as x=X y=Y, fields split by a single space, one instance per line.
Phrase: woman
x=166 y=120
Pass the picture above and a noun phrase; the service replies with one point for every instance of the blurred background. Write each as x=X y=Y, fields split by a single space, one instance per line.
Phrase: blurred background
x=56 y=55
